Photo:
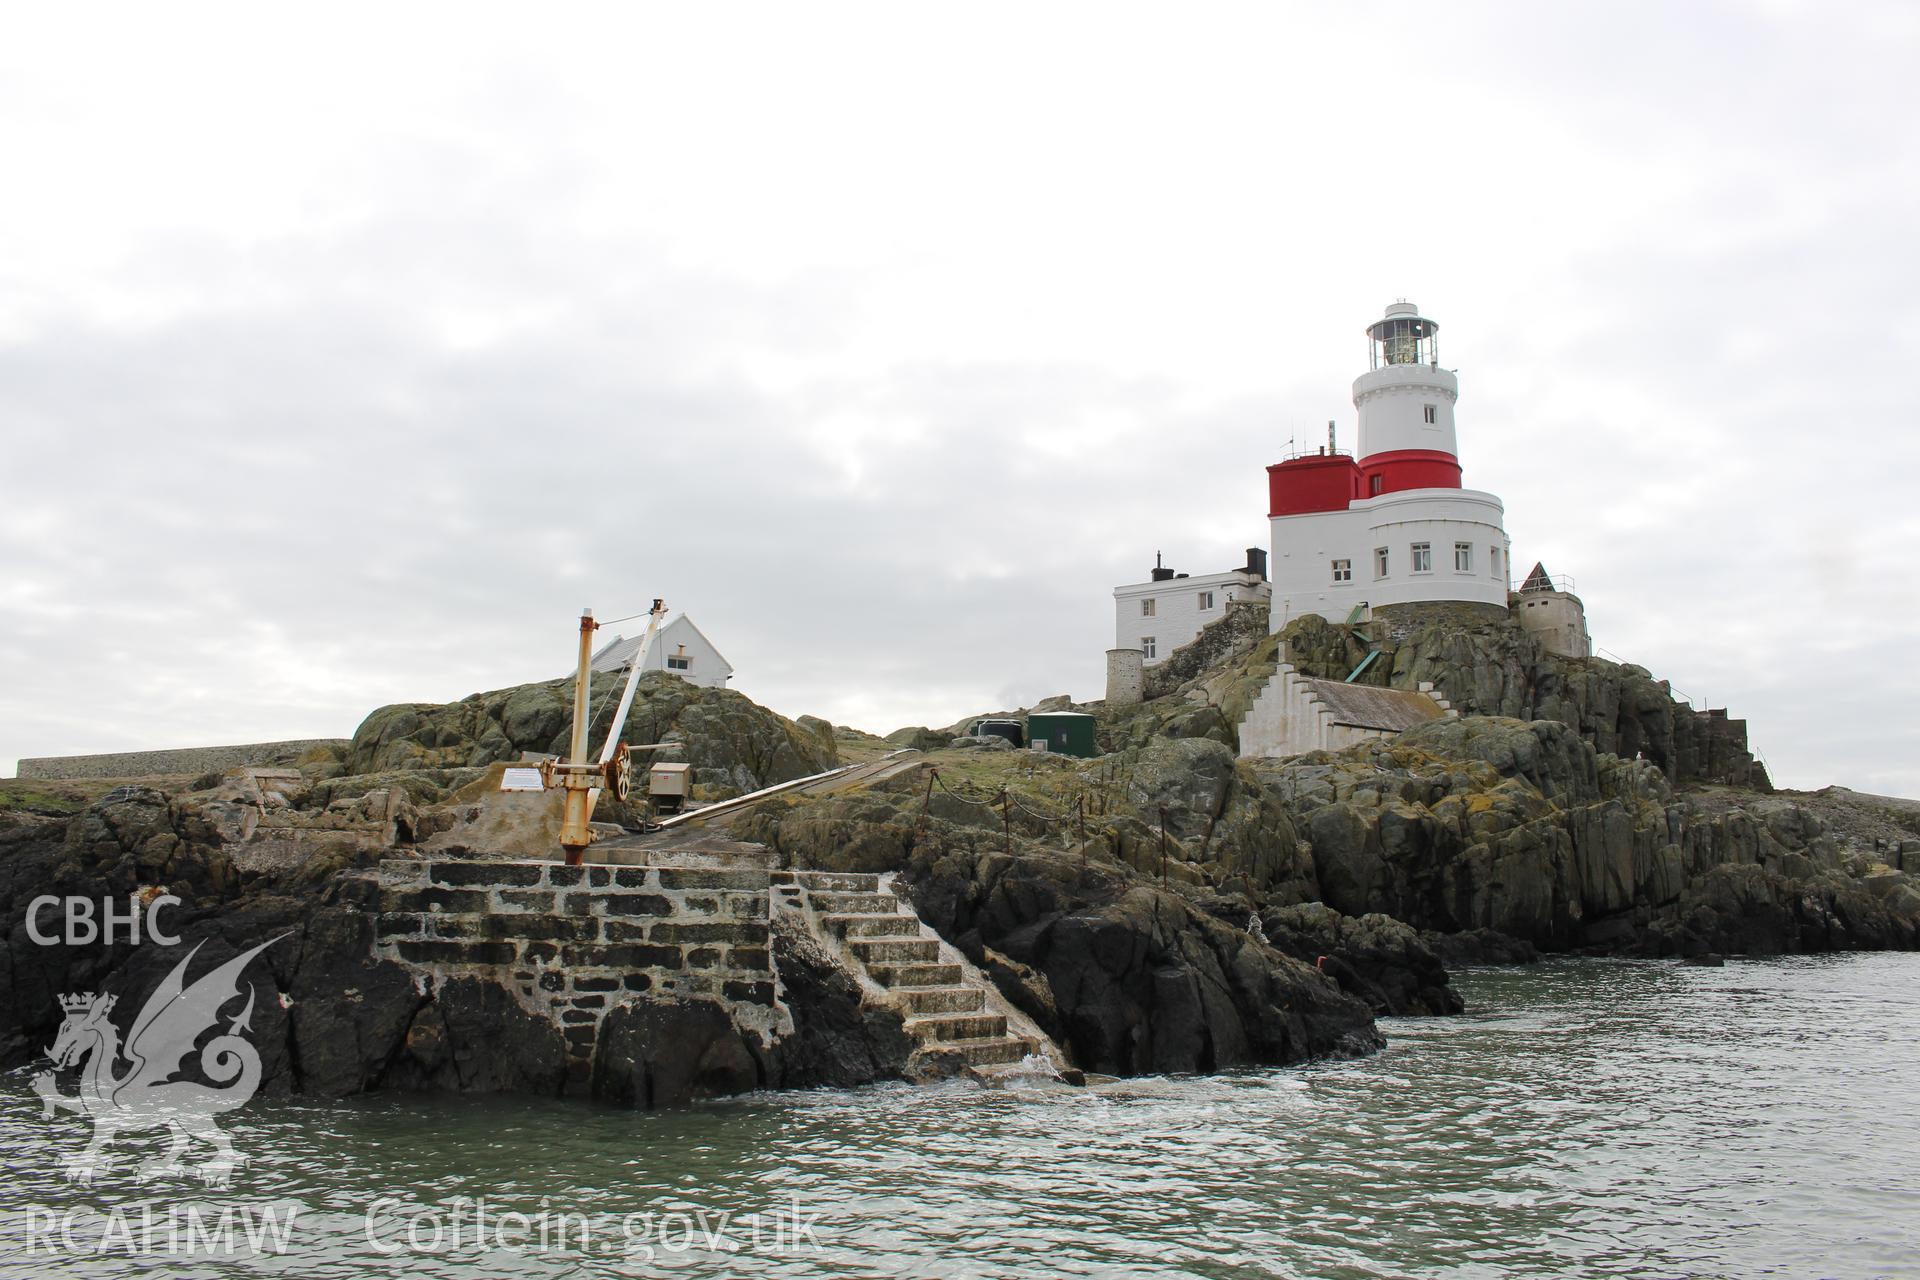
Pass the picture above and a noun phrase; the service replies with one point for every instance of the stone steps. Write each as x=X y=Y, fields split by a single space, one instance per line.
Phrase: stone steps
x=958 y=1026
x=942 y=999
x=896 y=951
x=831 y=881
x=874 y=926
x=949 y=1014
x=896 y=976
x=996 y=1051
x=855 y=904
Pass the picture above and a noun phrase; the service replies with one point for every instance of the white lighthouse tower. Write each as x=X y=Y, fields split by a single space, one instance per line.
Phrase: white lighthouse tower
x=1405 y=398
x=1392 y=527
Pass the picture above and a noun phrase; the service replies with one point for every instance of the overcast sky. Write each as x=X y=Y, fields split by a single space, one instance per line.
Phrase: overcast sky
x=342 y=361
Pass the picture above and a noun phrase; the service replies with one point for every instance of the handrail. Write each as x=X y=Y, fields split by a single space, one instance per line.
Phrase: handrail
x=1555 y=582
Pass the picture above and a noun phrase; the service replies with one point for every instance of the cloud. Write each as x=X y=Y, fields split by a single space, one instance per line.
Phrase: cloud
x=887 y=347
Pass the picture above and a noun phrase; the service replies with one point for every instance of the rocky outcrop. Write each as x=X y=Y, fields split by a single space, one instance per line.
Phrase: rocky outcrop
x=1130 y=978
x=1472 y=840
x=839 y=1038
x=733 y=745
x=1493 y=667
x=1166 y=907
x=1526 y=830
x=1241 y=626
x=332 y=1019
x=1375 y=958
x=1127 y=975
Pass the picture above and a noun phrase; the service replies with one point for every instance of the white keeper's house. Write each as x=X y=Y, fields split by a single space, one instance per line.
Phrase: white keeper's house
x=1161 y=614
x=679 y=648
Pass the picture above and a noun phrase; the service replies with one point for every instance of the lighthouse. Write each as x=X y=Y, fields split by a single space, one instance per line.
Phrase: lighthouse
x=1390 y=528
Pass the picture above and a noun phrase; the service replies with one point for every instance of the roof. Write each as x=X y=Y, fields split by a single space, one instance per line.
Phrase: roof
x=1226 y=577
x=617 y=653
x=1539 y=579
x=620 y=651
x=1367 y=706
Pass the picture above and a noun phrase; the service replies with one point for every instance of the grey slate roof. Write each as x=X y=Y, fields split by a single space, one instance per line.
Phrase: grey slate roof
x=617 y=653
x=1366 y=706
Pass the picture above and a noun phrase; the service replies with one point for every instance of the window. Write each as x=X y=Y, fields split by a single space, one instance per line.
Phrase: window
x=1378 y=483
x=1493 y=555
x=1433 y=415
x=1379 y=562
x=1343 y=571
x=1147 y=647
x=1206 y=600
x=1422 y=557
x=1146 y=608
x=679 y=662
x=1463 y=557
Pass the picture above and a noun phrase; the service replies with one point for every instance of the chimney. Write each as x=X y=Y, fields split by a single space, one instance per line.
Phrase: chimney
x=1257 y=563
x=1160 y=572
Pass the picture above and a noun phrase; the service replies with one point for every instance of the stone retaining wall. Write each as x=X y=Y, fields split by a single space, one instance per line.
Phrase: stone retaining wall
x=1394 y=622
x=574 y=943
x=151 y=764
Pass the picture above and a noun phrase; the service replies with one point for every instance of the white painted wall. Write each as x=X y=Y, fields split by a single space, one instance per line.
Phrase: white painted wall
x=680 y=642
x=1177 y=614
x=1305 y=547
x=1392 y=401
x=1287 y=718
x=679 y=648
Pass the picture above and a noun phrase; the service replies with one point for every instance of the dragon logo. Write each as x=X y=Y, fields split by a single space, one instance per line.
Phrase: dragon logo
x=145 y=1096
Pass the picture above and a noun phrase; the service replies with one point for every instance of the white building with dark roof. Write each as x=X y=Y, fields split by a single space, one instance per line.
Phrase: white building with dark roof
x=679 y=648
x=1295 y=713
x=1161 y=614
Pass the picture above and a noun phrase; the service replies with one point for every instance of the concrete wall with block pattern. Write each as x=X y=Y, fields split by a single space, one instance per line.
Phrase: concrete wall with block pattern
x=573 y=943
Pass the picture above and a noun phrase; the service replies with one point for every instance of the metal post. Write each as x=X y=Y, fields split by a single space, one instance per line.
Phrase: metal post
x=576 y=829
x=1080 y=810
x=582 y=686
x=1163 y=848
x=919 y=828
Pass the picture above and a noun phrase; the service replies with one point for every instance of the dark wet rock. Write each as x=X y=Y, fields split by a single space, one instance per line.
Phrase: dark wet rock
x=1373 y=957
x=350 y=1012
x=839 y=1038
x=661 y=1053
x=1479 y=947
x=1140 y=980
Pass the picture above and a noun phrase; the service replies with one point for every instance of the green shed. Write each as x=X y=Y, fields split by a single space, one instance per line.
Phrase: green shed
x=1068 y=732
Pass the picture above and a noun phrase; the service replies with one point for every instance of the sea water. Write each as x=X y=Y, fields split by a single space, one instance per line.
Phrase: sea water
x=1584 y=1118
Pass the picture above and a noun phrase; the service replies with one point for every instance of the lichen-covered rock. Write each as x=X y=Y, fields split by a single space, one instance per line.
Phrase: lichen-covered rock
x=1494 y=667
x=919 y=738
x=1183 y=780
x=1523 y=828
x=732 y=744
